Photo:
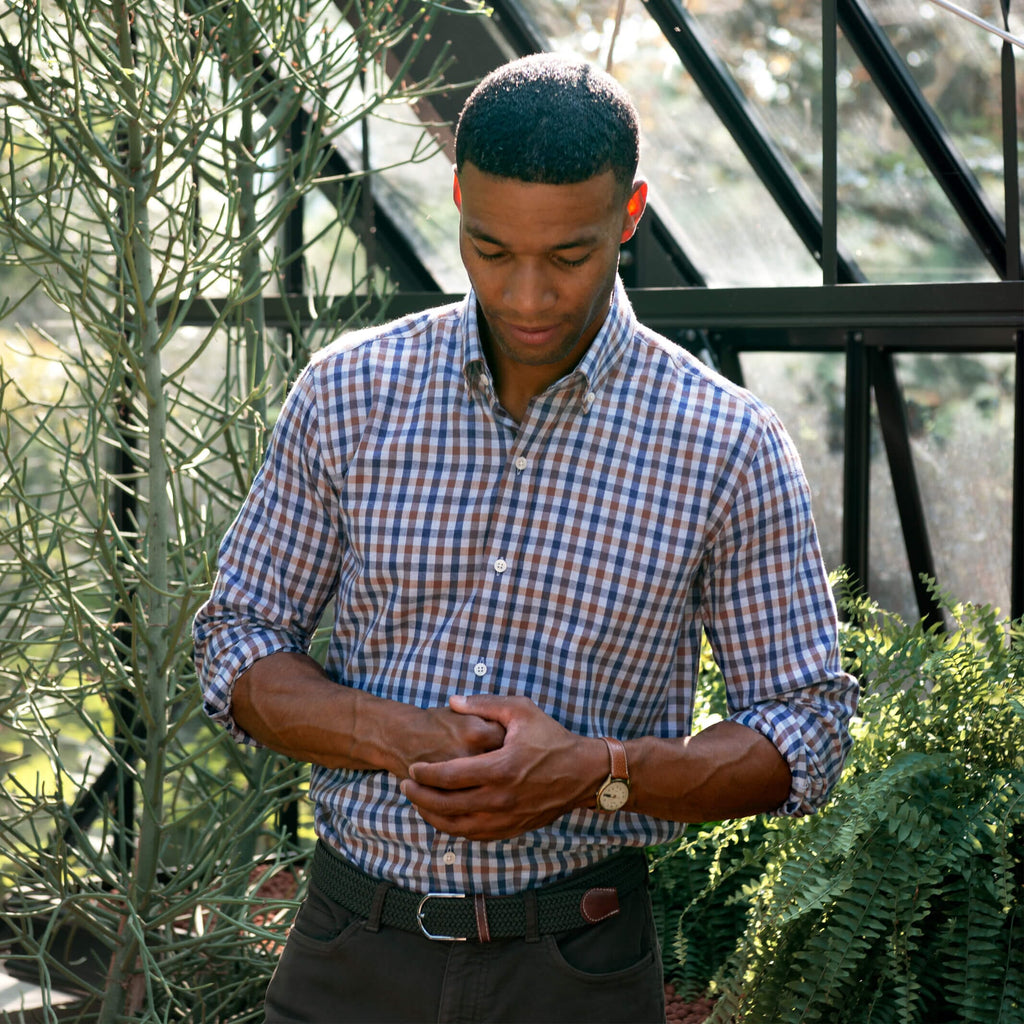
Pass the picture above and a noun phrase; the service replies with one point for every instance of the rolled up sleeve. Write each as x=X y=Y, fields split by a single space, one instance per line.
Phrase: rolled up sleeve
x=278 y=563
x=811 y=734
x=772 y=622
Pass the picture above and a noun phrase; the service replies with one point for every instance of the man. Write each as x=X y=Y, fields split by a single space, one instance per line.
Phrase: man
x=527 y=509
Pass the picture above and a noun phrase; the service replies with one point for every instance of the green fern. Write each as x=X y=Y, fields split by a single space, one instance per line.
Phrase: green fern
x=902 y=900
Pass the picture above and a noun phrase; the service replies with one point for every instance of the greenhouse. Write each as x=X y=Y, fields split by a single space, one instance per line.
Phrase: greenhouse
x=200 y=197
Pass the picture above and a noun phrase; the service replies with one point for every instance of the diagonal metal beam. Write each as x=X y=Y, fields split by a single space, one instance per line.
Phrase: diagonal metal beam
x=926 y=131
x=892 y=418
x=739 y=116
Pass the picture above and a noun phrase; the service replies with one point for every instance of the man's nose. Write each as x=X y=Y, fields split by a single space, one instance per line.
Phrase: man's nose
x=528 y=289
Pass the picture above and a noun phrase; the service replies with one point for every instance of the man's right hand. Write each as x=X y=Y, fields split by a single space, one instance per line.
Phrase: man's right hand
x=288 y=703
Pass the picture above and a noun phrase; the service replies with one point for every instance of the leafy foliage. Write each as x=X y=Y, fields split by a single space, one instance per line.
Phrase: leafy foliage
x=700 y=901
x=902 y=899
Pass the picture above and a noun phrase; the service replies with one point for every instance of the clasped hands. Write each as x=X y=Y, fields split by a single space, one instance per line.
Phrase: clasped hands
x=536 y=773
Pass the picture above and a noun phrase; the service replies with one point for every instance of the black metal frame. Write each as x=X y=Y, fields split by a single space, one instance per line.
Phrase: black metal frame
x=868 y=323
x=682 y=30
x=926 y=317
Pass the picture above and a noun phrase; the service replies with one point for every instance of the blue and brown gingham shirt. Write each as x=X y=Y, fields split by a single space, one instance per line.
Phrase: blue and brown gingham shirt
x=574 y=558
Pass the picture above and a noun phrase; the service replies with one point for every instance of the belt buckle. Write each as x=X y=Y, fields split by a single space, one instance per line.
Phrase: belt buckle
x=420 y=912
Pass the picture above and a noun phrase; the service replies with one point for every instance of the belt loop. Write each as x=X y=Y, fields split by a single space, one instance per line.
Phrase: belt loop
x=377 y=906
x=483 y=930
x=532 y=933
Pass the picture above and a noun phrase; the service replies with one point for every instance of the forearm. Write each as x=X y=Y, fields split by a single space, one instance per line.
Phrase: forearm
x=288 y=703
x=725 y=771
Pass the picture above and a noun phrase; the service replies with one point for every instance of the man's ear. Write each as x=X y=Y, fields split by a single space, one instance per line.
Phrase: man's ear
x=456 y=191
x=635 y=206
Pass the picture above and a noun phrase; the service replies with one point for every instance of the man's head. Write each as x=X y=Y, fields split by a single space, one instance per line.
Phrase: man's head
x=546 y=153
x=549 y=120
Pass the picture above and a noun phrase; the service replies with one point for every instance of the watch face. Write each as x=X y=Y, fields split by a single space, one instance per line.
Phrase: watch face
x=613 y=795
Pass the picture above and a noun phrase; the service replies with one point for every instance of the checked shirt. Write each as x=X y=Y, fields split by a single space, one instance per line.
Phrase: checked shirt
x=575 y=558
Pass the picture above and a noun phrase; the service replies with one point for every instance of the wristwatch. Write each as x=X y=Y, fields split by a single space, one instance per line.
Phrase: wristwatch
x=614 y=791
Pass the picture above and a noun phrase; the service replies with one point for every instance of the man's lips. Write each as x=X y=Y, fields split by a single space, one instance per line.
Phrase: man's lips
x=530 y=335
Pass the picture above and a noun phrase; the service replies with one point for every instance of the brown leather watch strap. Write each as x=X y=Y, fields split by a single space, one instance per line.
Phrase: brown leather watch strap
x=617 y=758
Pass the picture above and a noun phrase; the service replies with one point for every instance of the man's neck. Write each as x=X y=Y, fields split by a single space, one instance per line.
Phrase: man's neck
x=516 y=387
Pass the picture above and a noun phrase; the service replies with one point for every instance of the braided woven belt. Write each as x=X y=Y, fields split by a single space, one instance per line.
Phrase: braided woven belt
x=582 y=899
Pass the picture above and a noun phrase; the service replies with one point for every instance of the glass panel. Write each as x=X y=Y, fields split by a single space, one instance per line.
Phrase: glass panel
x=893 y=215
x=960 y=409
x=960 y=415
x=956 y=64
x=889 y=580
x=701 y=184
x=894 y=219
x=806 y=390
x=413 y=183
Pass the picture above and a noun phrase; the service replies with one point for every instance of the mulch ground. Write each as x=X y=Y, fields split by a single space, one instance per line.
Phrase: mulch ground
x=683 y=1011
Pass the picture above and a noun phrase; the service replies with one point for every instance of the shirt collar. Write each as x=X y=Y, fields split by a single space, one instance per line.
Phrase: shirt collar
x=473 y=361
x=600 y=359
x=608 y=348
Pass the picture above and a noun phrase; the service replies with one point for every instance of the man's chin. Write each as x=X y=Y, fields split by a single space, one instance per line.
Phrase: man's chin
x=553 y=348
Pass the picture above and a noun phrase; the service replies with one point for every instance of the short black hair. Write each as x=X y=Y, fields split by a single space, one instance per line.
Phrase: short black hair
x=551 y=120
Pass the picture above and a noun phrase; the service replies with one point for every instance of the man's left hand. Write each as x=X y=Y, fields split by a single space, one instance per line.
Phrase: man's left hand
x=540 y=772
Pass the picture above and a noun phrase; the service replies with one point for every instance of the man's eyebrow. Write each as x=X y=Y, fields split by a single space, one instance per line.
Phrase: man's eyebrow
x=582 y=242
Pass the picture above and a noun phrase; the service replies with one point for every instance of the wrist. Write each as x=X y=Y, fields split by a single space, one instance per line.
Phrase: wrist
x=591 y=769
x=614 y=792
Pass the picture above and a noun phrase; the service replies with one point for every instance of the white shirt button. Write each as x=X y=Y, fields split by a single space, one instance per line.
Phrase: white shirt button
x=500 y=565
x=520 y=463
x=480 y=669
x=449 y=857
x=588 y=401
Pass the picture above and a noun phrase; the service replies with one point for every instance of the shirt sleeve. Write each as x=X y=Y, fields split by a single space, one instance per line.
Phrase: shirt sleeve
x=278 y=563
x=771 y=619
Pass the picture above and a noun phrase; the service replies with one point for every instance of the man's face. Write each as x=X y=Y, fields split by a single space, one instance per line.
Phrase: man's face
x=542 y=260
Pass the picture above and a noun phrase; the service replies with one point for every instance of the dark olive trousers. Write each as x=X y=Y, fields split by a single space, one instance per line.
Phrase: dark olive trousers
x=338 y=969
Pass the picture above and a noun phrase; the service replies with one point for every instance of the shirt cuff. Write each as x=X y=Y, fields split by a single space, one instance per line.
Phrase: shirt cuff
x=234 y=655
x=814 y=744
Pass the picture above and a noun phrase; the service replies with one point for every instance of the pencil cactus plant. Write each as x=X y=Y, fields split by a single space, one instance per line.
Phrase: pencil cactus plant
x=151 y=153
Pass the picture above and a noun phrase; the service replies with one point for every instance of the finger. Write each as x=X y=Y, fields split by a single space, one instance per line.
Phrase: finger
x=465 y=813
x=446 y=802
x=492 y=707
x=458 y=814
x=459 y=772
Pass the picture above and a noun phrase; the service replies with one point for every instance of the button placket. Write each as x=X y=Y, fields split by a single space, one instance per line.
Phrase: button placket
x=496 y=591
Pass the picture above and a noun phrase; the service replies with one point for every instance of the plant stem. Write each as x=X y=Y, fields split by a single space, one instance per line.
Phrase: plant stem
x=153 y=601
